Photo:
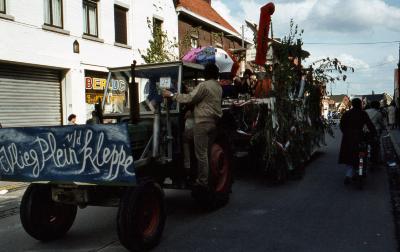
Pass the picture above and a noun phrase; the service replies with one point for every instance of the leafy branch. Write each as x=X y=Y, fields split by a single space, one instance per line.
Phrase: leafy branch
x=161 y=48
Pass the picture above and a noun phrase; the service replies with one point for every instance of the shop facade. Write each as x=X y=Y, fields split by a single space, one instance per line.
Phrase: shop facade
x=29 y=96
x=53 y=69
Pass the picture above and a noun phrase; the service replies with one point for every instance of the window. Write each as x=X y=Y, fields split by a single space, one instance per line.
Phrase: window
x=216 y=39
x=53 y=13
x=157 y=27
x=194 y=42
x=120 y=25
x=3 y=6
x=90 y=18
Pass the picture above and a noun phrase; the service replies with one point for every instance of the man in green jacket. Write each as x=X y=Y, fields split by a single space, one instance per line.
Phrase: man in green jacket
x=206 y=98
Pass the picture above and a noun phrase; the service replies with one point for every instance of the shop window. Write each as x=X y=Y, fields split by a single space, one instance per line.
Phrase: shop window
x=120 y=25
x=90 y=26
x=95 y=83
x=53 y=13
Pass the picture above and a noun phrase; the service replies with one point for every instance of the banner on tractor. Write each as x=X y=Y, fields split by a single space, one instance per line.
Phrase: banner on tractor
x=99 y=154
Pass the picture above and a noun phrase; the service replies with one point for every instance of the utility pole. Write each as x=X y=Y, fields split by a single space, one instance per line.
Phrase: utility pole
x=398 y=64
x=242 y=36
x=398 y=82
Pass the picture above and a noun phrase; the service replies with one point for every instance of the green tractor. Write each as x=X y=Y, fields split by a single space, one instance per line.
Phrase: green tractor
x=124 y=162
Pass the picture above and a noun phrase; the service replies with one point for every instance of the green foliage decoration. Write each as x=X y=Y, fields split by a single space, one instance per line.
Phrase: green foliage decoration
x=161 y=48
x=299 y=128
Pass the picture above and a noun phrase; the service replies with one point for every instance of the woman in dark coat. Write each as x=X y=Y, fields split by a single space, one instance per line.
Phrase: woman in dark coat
x=351 y=125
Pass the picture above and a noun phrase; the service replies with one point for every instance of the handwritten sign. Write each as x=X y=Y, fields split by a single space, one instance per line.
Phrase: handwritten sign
x=83 y=153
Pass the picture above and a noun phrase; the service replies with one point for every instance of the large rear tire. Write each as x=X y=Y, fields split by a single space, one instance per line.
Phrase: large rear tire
x=41 y=217
x=219 y=179
x=141 y=217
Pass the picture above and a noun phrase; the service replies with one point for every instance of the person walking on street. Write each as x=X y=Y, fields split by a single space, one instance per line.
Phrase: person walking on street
x=378 y=120
x=206 y=98
x=94 y=120
x=351 y=125
x=392 y=115
x=72 y=119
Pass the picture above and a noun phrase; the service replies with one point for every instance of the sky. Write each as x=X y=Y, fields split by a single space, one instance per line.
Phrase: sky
x=332 y=28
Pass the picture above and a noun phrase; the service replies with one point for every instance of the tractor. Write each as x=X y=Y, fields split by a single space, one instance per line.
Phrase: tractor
x=125 y=161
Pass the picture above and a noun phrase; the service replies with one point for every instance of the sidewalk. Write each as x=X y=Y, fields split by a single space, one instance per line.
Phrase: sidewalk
x=12 y=186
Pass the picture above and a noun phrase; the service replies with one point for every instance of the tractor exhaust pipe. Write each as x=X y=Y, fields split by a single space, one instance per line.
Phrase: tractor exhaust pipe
x=134 y=112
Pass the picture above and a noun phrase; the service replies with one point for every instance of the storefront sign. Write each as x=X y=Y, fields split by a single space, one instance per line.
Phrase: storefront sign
x=100 y=84
x=83 y=153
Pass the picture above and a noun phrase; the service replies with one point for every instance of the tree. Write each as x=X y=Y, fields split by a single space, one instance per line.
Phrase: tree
x=161 y=48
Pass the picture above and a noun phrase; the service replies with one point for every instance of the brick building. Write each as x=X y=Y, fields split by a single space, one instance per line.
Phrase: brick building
x=201 y=25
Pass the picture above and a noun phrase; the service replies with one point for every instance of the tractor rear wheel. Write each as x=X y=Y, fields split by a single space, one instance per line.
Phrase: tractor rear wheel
x=219 y=179
x=141 y=217
x=41 y=217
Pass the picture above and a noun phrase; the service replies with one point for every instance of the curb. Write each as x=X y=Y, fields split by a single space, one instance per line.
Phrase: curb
x=13 y=186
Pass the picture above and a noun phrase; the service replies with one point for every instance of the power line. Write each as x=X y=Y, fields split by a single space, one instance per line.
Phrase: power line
x=352 y=43
x=374 y=66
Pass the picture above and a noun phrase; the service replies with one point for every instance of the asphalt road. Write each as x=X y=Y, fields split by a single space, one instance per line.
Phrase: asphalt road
x=317 y=213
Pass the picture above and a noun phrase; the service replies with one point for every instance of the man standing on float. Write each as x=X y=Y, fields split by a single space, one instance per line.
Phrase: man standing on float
x=207 y=99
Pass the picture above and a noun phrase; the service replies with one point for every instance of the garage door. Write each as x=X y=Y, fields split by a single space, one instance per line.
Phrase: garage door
x=29 y=96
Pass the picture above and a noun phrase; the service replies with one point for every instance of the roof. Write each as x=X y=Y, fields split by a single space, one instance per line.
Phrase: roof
x=204 y=9
x=338 y=98
x=374 y=97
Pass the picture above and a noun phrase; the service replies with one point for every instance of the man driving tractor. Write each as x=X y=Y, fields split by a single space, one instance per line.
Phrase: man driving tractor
x=206 y=98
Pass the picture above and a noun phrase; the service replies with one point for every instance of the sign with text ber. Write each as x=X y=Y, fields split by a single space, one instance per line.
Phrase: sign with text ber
x=99 y=154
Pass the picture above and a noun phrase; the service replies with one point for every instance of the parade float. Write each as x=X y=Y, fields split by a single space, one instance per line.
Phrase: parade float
x=128 y=162
x=277 y=124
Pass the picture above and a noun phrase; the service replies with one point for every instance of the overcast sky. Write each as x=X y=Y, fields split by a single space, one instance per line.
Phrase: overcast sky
x=336 y=22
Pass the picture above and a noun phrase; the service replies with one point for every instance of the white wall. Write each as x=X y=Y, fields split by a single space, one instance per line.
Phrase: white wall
x=149 y=9
x=24 y=41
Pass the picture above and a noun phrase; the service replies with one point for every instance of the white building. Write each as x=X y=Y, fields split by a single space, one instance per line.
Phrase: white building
x=54 y=54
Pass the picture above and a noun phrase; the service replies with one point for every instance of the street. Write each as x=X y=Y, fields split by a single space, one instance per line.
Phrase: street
x=317 y=213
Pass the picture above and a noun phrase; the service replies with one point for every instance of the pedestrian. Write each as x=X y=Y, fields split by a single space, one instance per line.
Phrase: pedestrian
x=95 y=118
x=351 y=125
x=246 y=82
x=378 y=120
x=72 y=119
x=392 y=115
x=206 y=98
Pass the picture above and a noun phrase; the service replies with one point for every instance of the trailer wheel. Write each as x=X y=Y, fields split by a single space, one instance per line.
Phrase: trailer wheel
x=141 y=217
x=219 y=179
x=41 y=217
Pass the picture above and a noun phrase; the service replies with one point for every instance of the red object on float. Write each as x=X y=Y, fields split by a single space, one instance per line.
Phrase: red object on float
x=235 y=66
x=263 y=31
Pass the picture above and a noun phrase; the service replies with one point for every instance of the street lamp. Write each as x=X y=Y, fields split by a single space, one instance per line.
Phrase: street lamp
x=76 y=46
